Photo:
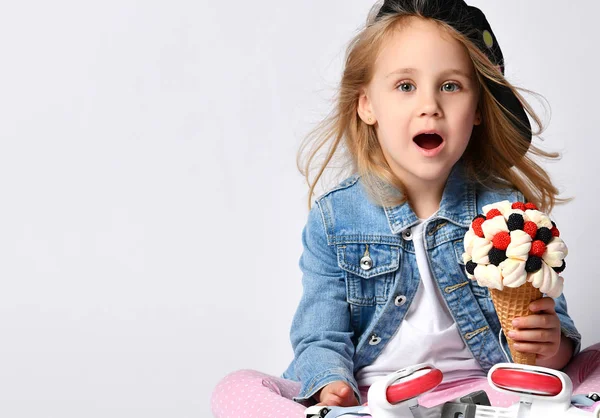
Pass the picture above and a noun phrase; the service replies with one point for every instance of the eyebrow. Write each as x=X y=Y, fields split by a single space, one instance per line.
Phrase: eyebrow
x=452 y=71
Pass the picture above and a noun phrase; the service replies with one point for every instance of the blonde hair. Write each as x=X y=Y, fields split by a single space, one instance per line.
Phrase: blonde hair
x=498 y=155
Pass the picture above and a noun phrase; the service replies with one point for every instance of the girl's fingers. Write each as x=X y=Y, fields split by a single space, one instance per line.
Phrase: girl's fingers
x=545 y=321
x=545 y=304
x=343 y=391
x=337 y=394
x=347 y=397
x=543 y=349
x=330 y=399
x=334 y=400
x=535 y=335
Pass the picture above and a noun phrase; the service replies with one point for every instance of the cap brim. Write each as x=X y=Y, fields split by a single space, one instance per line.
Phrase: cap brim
x=511 y=102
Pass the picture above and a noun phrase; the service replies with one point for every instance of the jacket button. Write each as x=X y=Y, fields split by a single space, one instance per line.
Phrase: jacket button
x=400 y=300
x=407 y=235
x=366 y=263
x=374 y=340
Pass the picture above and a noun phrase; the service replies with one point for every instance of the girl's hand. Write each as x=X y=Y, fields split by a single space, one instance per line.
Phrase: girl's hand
x=338 y=393
x=540 y=332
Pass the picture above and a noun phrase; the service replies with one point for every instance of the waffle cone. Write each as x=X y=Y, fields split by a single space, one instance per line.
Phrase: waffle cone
x=512 y=303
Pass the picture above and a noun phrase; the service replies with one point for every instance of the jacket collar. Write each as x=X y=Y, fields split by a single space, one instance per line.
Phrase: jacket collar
x=458 y=204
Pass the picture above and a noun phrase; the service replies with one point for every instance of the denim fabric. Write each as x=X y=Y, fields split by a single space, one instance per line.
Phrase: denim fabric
x=348 y=314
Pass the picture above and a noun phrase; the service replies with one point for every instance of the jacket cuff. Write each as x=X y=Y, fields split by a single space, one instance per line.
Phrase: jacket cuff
x=574 y=336
x=322 y=379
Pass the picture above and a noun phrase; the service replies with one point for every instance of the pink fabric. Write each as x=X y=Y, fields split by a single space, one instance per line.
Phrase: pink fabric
x=251 y=394
x=584 y=371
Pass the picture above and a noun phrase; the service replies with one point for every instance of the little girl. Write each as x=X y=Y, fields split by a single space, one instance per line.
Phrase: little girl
x=433 y=132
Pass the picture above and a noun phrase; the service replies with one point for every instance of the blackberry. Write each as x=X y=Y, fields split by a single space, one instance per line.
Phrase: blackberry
x=471 y=267
x=533 y=264
x=515 y=221
x=544 y=234
x=561 y=268
x=496 y=256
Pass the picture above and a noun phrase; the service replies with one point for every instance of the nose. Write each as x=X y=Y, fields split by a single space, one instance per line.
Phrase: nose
x=429 y=105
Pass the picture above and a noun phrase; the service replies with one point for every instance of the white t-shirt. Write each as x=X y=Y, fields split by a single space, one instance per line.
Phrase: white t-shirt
x=428 y=333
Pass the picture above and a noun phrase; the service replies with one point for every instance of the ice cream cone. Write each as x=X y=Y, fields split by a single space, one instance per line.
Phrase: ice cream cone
x=516 y=248
x=511 y=303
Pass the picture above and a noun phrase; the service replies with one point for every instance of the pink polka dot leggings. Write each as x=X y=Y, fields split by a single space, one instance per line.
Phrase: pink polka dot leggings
x=251 y=394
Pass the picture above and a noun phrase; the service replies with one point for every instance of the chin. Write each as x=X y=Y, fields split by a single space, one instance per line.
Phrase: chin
x=433 y=172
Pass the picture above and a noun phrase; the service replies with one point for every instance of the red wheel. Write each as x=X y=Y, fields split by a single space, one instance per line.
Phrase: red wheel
x=526 y=381
x=409 y=389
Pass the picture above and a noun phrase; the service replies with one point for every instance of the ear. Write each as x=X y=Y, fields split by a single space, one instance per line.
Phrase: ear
x=364 y=109
x=477 y=121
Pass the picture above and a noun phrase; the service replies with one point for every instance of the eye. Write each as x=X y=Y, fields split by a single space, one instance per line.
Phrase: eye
x=450 y=87
x=405 y=87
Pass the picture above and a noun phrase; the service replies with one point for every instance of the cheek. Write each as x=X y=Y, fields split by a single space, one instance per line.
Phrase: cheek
x=391 y=133
x=393 y=115
x=390 y=141
x=466 y=118
x=390 y=104
x=463 y=125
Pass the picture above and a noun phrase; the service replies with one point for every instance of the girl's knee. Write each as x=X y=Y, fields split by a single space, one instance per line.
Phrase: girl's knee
x=228 y=390
x=595 y=347
x=250 y=387
x=241 y=381
x=243 y=375
x=236 y=380
x=589 y=358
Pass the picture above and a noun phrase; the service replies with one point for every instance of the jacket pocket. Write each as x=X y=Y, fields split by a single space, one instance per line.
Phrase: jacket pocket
x=370 y=271
x=478 y=291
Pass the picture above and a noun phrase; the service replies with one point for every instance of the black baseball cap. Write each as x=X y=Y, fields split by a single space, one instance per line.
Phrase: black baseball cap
x=472 y=23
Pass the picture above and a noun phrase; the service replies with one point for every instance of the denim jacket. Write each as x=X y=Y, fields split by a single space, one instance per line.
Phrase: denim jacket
x=348 y=313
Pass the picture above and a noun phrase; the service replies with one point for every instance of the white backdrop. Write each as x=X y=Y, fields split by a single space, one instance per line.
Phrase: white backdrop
x=151 y=209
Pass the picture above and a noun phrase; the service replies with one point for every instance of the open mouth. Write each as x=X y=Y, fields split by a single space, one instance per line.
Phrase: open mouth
x=428 y=141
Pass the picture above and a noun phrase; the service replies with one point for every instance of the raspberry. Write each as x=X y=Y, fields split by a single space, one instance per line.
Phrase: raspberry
x=533 y=264
x=518 y=205
x=530 y=228
x=554 y=231
x=544 y=234
x=501 y=240
x=471 y=267
x=496 y=256
x=530 y=206
x=477 y=226
x=538 y=248
x=561 y=268
x=515 y=221
x=492 y=213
